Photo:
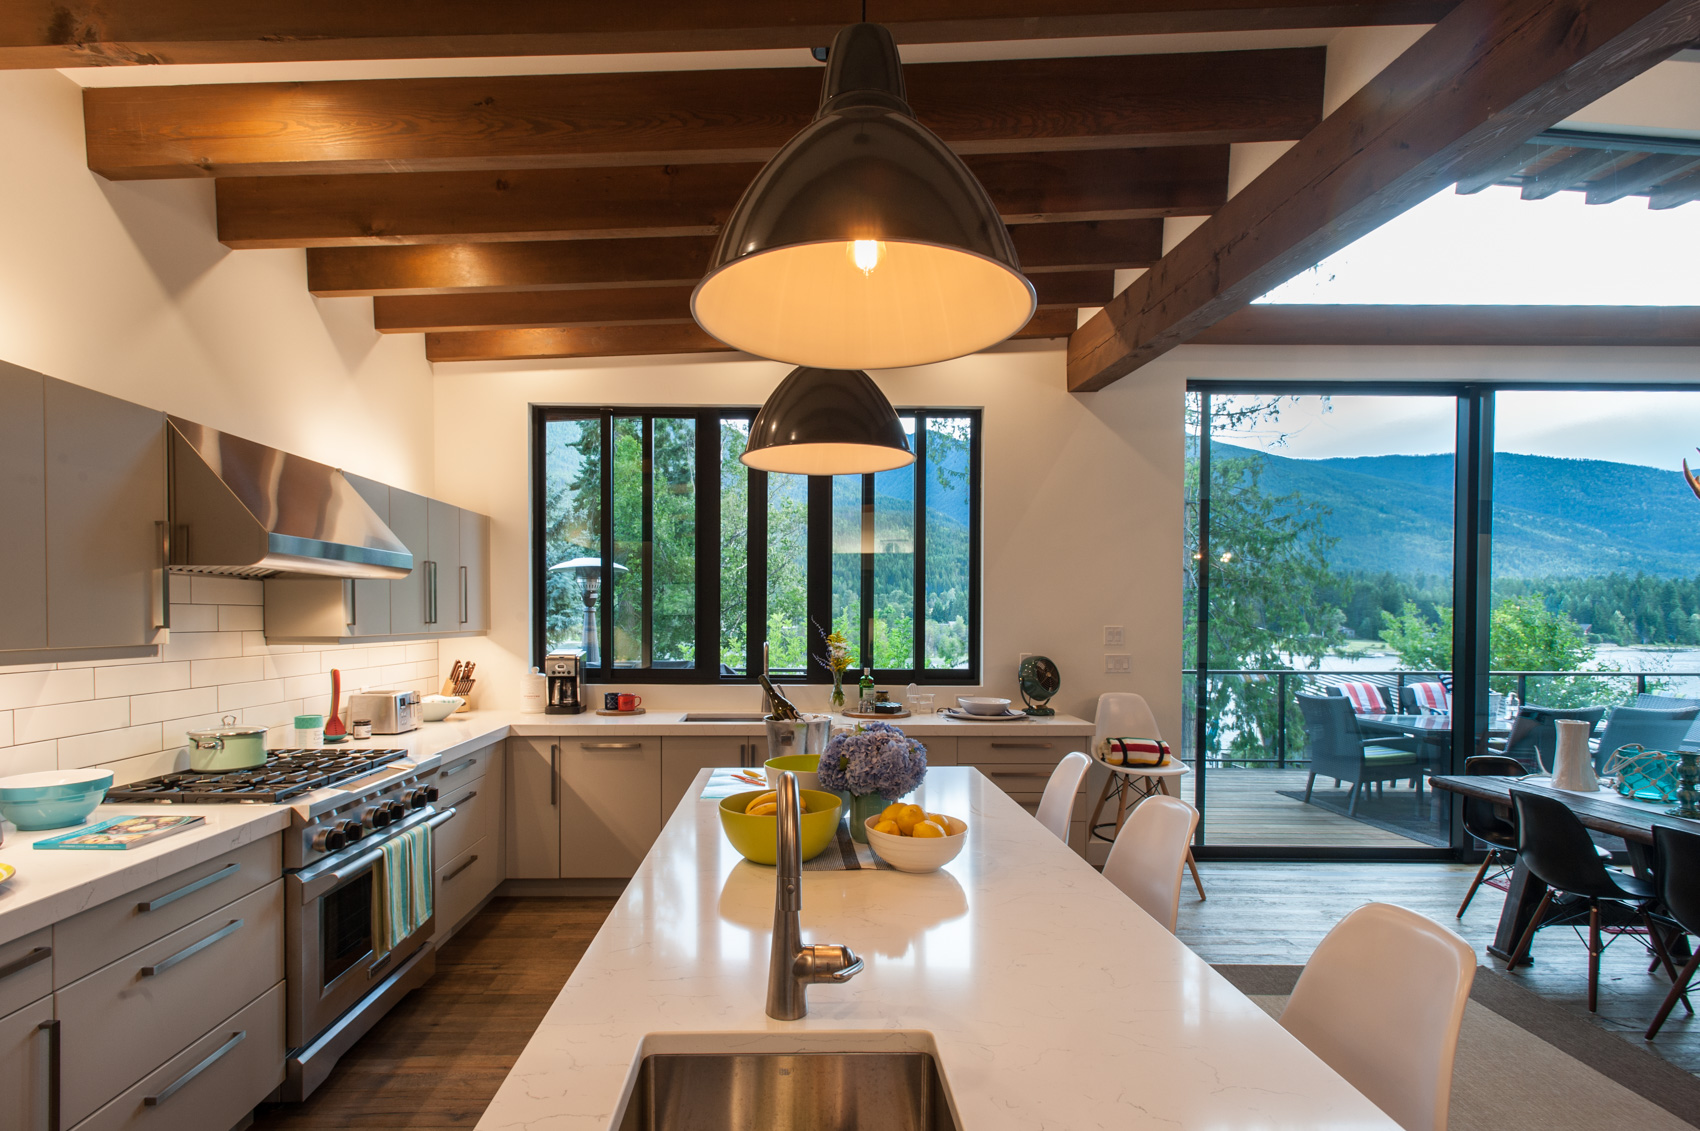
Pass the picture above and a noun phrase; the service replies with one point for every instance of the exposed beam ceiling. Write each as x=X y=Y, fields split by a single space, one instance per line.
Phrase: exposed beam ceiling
x=675 y=200
x=1341 y=325
x=666 y=261
x=1483 y=80
x=615 y=341
x=78 y=33
x=674 y=117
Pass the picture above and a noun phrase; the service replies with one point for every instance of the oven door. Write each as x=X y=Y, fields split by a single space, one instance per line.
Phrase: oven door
x=331 y=932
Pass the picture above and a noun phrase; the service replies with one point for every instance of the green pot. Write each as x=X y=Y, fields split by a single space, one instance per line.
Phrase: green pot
x=863 y=806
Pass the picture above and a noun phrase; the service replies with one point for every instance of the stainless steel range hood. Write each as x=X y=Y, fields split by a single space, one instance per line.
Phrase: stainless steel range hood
x=245 y=510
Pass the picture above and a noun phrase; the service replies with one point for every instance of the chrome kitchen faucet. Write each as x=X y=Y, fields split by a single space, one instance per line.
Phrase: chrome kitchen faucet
x=795 y=965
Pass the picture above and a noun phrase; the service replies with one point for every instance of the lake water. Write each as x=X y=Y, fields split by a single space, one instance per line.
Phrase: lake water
x=1677 y=670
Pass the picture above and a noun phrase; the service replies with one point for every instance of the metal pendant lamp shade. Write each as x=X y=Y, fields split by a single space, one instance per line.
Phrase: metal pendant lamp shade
x=865 y=243
x=827 y=422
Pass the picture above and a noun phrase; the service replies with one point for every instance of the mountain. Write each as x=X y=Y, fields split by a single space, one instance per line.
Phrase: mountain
x=1552 y=517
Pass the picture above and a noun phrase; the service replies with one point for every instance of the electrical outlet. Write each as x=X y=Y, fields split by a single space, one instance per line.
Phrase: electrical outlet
x=1118 y=663
x=1112 y=636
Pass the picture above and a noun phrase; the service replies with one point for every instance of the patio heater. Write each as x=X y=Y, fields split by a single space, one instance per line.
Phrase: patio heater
x=589 y=572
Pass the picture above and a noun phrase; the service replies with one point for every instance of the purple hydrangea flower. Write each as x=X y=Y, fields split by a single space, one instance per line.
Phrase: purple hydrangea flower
x=876 y=758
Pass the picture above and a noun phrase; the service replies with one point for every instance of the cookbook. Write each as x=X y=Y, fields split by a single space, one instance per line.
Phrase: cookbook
x=121 y=832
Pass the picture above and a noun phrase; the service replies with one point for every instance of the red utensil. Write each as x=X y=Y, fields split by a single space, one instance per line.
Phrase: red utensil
x=333 y=721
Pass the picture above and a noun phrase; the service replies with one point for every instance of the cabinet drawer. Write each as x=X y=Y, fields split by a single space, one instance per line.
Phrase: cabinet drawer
x=213 y=1083
x=464 y=881
x=121 y=1022
x=941 y=749
x=24 y=1081
x=610 y=794
x=478 y=810
x=457 y=773
x=26 y=970
x=100 y=935
x=1022 y=781
x=1016 y=748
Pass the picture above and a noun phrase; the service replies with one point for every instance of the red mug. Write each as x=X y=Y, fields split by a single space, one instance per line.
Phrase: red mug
x=630 y=702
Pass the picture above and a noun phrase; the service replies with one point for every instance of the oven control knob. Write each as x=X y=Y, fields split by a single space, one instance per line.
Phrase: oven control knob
x=375 y=815
x=431 y=793
x=417 y=799
x=328 y=840
x=396 y=810
x=353 y=830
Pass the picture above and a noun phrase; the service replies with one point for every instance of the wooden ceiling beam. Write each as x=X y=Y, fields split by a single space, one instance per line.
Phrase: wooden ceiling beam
x=626 y=341
x=92 y=33
x=1488 y=77
x=1642 y=176
x=675 y=200
x=1674 y=193
x=508 y=122
x=627 y=306
x=1275 y=324
x=563 y=265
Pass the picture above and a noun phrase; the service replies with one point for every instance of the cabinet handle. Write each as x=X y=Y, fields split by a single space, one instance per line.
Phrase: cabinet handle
x=53 y=1074
x=193 y=949
x=451 y=875
x=454 y=812
x=163 y=529
x=350 y=603
x=170 y=1090
x=463 y=600
x=190 y=888
x=457 y=768
x=1021 y=746
x=554 y=773
x=18 y=965
x=430 y=592
x=610 y=746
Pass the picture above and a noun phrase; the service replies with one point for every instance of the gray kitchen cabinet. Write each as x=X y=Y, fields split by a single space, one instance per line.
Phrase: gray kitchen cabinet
x=369 y=598
x=23 y=508
x=610 y=792
x=683 y=757
x=474 y=587
x=534 y=808
x=26 y=1038
x=409 y=521
x=442 y=566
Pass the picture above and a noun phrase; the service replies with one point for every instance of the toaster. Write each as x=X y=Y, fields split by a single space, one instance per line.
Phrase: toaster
x=391 y=712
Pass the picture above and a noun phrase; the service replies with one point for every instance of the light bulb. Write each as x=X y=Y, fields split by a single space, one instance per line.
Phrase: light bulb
x=866 y=254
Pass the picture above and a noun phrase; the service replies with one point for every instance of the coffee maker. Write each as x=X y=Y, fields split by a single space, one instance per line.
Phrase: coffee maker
x=564 y=671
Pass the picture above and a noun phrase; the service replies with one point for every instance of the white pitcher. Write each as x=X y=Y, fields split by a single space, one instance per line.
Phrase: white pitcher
x=1573 y=762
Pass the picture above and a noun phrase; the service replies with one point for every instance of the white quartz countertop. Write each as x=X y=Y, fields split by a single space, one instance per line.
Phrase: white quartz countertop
x=1049 y=999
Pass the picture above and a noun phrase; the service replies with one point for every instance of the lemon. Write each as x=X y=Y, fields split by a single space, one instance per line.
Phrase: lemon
x=941 y=821
x=891 y=811
x=927 y=829
x=909 y=817
x=888 y=827
x=770 y=799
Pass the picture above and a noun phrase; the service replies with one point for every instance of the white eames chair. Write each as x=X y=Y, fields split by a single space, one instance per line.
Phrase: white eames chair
x=1149 y=856
x=1124 y=714
x=1057 y=804
x=1381 y=1000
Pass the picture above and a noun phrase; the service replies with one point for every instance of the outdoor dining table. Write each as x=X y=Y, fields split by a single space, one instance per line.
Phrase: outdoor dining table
x=1605 y=811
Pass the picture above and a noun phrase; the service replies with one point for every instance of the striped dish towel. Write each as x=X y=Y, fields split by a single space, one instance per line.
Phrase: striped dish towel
x=401 y=889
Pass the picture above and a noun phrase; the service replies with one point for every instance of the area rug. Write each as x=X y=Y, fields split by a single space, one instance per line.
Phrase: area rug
x=1526 y=1062
x=1394 y=812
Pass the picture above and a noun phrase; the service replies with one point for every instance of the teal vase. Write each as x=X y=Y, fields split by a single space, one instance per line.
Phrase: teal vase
x=863 y=806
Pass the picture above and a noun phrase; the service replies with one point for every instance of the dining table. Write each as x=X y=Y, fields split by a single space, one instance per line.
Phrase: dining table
x=1603 y=811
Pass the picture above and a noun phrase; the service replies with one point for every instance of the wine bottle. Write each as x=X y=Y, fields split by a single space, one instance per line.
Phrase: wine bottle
x=782 y=707
x=865 y=698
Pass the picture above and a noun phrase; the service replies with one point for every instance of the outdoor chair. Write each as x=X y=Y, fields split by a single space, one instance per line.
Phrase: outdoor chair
x=1427 y=698
x=1648 y=728
x=1534 y=739
x=1366 y=696
x=1337 y=749
x=1678 y=855
x=1493 y=824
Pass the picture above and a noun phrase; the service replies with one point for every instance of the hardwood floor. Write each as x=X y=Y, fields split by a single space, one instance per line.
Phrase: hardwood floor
x=435 y=1061
x=1246 y=807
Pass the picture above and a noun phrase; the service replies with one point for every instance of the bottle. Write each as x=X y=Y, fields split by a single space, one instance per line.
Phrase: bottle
x=782 y=707
x=865 y=692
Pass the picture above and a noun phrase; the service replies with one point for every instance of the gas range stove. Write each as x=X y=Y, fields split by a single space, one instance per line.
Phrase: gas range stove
x=286 y=774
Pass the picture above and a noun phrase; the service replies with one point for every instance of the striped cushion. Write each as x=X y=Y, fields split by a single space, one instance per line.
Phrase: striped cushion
x=1432 y=698
x=1134 y=751
x=1365 y=696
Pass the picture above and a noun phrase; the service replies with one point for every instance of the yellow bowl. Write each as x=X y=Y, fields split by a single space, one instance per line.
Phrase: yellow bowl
x=757 y=838
x=918 y=854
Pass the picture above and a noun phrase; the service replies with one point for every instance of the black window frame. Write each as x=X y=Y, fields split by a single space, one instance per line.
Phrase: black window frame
x=709 y=420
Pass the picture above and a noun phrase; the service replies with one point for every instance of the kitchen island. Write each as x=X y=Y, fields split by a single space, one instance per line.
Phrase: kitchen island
x=1048 y=999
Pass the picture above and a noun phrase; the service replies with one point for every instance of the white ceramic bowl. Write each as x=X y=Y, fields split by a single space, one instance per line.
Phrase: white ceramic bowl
x=978 y=705
x=439 y=707
x=917 y=854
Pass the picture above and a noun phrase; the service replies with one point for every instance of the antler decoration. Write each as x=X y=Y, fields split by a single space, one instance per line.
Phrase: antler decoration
x=1693 y=483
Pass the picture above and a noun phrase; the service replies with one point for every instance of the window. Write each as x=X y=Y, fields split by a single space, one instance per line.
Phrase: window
x=707 y=561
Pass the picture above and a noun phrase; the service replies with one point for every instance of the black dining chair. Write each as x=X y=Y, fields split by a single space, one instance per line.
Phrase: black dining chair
x=1556 y=849
x=1678 y=855
x=1491 y=823
x=1533 y=739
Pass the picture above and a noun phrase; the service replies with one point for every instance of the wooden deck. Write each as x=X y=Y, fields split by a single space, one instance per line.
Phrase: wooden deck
x=1244 y=807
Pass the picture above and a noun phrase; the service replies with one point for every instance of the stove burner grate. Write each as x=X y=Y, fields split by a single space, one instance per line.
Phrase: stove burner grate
x=286 y=774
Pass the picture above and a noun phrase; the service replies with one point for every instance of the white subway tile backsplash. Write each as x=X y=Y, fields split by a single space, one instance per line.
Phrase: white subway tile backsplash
x=239 y=618
x=167 y=761
x=176 y=731
x=292 y=664
x=29 y=758
x=316 y=686
x=173 y=704
x=418 y=652
x=235 y=696
x=5 y=728
x=241 y=669
x=140 y=679
x=40 y=688
x=227 y=591
x=37 y=724
x=273 y=715
x=108 y=746
x=181 y=591
x=201 y=645
x=194 y=618
x=254 y=643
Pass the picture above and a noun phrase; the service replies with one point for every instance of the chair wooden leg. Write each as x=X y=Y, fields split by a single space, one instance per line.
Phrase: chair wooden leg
x=1196 y=882
x=1098 y=809
x=1676 y=991
x=1528 y=938
x=1309 y=783
x=1352 y=803
x=1481 y=874
x=1594 y=957
x=1661 y=953
x=1121 y=803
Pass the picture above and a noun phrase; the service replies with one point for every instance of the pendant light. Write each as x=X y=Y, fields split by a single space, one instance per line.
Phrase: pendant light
x=827 y=422
x=865 y=243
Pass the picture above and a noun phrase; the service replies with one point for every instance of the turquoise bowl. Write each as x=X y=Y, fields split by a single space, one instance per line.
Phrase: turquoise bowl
x=52 y=799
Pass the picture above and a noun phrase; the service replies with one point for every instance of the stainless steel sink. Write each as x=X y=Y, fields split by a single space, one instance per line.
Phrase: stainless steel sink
x=721 y=717
x=817 y=1091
